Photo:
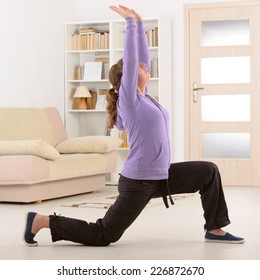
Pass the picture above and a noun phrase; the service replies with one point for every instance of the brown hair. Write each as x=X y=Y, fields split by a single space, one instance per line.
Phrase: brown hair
x=115 y=75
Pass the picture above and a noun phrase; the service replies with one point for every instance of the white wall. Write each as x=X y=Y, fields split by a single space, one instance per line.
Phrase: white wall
x=32 y=50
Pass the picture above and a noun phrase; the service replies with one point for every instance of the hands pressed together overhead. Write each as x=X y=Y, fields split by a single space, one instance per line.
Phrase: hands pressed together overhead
x=126 y=12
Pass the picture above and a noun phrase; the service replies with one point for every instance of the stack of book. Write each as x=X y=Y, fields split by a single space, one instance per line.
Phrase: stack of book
x=89 y=38
x=151 y=36
x=92 y=101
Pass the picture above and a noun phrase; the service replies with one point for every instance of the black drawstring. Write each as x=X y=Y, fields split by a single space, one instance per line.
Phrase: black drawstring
x=165 y=193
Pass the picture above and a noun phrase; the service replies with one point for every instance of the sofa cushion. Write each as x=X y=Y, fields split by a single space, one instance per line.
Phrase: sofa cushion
x=26 y=169
x=23 y=169
x=77 y=165
x=29 y=147
x=88 y=144
x=25 y=124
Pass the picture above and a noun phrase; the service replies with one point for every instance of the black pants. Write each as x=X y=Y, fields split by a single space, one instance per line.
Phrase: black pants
x=184 y=177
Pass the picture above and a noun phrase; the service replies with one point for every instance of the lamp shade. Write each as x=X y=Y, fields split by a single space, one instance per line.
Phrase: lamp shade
x=81 y=91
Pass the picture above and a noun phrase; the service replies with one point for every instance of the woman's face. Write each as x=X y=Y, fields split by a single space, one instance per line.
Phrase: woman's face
x=143 y=74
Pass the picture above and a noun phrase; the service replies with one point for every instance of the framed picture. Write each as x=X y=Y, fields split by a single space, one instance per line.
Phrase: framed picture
x=92 y=71
x=101 y=99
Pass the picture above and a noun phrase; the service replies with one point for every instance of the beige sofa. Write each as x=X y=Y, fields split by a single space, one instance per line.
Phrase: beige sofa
x=39 y=162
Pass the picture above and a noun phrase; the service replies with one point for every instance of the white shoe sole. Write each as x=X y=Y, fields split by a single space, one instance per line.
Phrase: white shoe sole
x=30 y=244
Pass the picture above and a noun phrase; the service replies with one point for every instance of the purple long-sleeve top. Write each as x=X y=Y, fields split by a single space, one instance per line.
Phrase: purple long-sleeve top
x=146 y=123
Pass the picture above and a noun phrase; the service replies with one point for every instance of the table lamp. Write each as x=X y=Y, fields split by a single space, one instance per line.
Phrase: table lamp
x=81 y=93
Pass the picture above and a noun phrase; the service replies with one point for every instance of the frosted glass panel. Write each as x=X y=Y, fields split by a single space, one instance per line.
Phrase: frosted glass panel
x=225 y=33
x=225 y=70
x=226 y=145
x=225 y=108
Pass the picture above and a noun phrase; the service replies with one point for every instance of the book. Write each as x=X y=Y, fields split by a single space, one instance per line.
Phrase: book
x=78 y=73
x=84 y=30
x=156 y=36
x=106 y=40
x=152 y=37
x=93 y=99
x=89 y=103
x=154 y=68
x=76 y=42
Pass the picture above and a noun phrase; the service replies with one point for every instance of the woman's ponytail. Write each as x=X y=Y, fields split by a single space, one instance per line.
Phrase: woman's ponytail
x=111 y=97
x=115 y=75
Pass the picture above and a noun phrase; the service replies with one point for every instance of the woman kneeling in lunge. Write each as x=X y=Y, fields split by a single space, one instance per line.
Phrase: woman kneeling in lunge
x=147 y=172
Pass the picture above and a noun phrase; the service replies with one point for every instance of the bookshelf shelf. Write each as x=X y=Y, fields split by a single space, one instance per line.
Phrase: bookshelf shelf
x=87 y=51
x=84 y=81
x=86 y=111
x=107 y=47
x=150 y=48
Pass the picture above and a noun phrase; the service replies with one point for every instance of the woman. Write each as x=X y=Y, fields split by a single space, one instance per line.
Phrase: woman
x=147 y=172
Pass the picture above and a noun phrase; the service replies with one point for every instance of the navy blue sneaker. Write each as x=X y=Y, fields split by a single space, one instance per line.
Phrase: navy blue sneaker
x=28 y=235
x=227 y=238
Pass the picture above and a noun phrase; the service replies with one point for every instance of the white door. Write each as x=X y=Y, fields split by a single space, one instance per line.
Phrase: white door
x=223 y=90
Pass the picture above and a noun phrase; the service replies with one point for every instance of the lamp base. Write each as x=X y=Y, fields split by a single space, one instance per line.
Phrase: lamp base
x=81 y=104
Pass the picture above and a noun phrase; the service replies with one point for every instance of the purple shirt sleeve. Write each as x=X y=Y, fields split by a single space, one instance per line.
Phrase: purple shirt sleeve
x=135 y=51
x=142 y=46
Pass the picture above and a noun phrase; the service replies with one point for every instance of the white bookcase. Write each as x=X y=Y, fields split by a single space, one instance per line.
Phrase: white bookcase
x=91 y=121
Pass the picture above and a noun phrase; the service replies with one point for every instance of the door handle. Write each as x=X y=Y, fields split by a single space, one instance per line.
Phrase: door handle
x=195 y=89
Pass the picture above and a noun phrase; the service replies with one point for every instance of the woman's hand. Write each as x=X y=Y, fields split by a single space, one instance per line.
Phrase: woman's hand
x=126 y=12
x=137 y=16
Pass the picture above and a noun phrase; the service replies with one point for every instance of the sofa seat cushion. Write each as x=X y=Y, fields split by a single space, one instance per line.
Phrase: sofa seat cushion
x=89 y=144
x=75 y=165
x=29 y=147
x=23 y=169
x=27 y=169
